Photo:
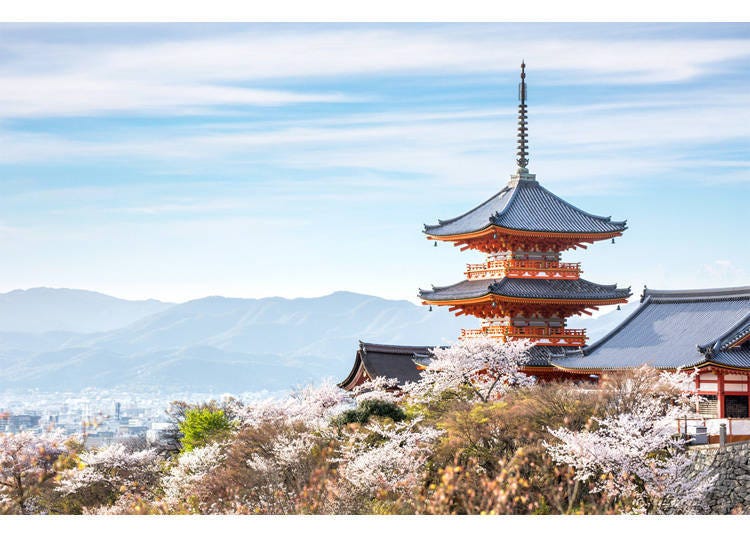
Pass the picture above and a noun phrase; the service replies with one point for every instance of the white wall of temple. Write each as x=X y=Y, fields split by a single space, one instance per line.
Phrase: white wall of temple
x=499 y=256
x=522 y=321
x=536 y=255
x=708 y=382
x=524 y=255
x=496 y=321
x=539 y=321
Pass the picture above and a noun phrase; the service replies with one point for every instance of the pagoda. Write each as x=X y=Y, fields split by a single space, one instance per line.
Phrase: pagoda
x=523 y=290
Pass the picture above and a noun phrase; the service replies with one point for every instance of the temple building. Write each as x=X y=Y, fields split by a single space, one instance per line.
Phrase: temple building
x=524 y=290
x=707 y=329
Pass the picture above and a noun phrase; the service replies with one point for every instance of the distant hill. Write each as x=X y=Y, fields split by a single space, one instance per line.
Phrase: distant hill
x=40 y=310
x=220 y=343
x=215 y=343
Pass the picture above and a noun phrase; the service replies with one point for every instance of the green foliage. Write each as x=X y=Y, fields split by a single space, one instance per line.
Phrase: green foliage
x=371 y=407
x=202 y=426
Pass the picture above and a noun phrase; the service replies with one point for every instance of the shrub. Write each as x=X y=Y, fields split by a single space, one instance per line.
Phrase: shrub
x=202 y=426
x=369 y=407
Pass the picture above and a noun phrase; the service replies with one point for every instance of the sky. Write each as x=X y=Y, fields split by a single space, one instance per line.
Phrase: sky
x=177 y=161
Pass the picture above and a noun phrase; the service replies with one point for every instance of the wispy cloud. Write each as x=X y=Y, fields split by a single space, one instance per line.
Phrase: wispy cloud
x=467 y=147
x=199 y=159
x=190 y=75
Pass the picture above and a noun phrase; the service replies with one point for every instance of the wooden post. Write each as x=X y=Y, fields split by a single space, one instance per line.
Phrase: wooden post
x=720 y=393
x=730 y=429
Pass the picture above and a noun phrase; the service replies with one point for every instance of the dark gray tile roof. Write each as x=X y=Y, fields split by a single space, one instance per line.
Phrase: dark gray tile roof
x=476 y=219
x=733 y=335
x=540 y=356
x=526 y=207
x=387 y=360
x=464 y=289
x=398 y=362
x=738 y=358
x=527 y=288
x=673 y=329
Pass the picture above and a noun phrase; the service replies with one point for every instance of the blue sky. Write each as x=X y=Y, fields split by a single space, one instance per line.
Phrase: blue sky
x=176 y=161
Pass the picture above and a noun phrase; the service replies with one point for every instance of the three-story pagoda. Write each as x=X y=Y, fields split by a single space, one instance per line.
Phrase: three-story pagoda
x=523 y=289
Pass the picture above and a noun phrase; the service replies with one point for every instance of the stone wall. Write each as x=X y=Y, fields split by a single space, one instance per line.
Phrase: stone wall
x=731 y=491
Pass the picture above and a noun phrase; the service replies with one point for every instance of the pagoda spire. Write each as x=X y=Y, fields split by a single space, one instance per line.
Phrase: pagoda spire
x=523 y=150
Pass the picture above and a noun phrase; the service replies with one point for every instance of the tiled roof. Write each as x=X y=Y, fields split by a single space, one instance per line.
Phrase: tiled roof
x=398 y=362
x=540 y=356
x=672 y=329
x=526 y=206
x=739 y=358
x=527 y=288
x=387 y=360
x=463 y=290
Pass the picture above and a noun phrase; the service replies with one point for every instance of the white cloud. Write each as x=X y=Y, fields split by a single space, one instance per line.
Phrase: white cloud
x=192 y=74
x=722 y=272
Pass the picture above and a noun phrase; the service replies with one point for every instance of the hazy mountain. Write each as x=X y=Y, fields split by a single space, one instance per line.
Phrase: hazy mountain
x=215 y=343
x=40 y=310
x=223 y=344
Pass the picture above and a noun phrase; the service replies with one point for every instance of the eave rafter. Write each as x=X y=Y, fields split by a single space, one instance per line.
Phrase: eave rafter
x=492 y=306
x=493 y=239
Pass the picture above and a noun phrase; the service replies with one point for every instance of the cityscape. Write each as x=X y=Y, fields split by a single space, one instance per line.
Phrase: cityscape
x=100 y=417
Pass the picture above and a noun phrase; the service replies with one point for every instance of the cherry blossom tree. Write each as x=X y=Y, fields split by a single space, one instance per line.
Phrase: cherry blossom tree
x=106 y=473
x=486 y=366
x=392 y=463
x=27 y=461
x=379 y=388
x=188 y=471
x=313 y=406
x=635 y=456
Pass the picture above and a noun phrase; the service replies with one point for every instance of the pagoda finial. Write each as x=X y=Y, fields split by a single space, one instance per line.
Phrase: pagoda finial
x=523 y=150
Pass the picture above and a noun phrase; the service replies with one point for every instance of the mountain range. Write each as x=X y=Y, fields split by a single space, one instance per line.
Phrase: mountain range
x=68 y=340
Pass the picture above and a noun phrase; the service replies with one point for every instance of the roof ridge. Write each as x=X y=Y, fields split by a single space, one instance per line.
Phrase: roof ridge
x=477 y=281
x=608 y=219
x=391 y=348
x=722 y=293
x=513 y=195
x=720 y=343
x=641 y=307
x=451 y=220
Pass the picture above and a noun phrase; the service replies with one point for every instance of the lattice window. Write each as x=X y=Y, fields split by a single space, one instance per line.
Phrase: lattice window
x=709 y=406
x=736 y=407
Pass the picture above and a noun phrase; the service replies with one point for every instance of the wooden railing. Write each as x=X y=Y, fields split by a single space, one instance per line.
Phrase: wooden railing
x=530 y=269
x=543 y=335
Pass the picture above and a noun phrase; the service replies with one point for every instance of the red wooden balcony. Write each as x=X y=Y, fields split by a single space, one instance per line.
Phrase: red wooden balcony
x=525 y=269
x=543 y=336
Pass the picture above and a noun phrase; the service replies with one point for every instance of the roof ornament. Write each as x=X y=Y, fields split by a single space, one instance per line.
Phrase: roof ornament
x=522 y=173
x=523 y=150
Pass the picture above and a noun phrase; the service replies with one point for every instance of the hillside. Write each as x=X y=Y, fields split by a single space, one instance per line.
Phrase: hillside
x=214 y=343
x=220 y=343
x=40 y=310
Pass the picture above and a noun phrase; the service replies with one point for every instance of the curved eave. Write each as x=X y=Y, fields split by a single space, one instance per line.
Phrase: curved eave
x=593 y=370
x=490 y=296
x=492 y=228
x=507 y=191
x=697 y=365
x=358 y=369
x=723 y=366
